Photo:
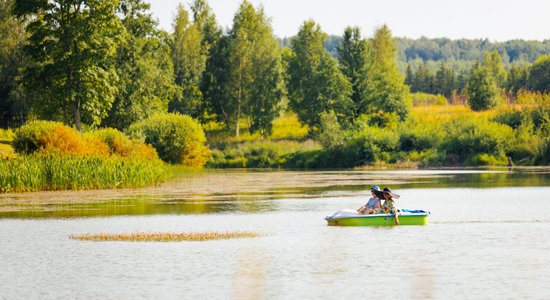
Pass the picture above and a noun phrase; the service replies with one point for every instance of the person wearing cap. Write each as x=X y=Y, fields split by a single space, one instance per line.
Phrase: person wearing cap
x=373 y=204
x=389 y=205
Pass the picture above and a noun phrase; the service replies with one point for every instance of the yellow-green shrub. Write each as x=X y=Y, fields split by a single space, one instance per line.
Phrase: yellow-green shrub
x=177 y=138
x=52 y=137
x=425 y=99
x=288 y=126
x=6 y=134
x=47 y=138
x=119 y=144
x=466 y=137
x=533 y=98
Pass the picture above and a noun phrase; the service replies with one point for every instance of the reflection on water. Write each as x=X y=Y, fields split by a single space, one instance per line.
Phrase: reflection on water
x=250 y=274
x=249 y=191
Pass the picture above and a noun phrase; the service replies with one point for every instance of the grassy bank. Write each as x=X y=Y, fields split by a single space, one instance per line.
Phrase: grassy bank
x=54 y=172
x=48 y=156
x=433 y=136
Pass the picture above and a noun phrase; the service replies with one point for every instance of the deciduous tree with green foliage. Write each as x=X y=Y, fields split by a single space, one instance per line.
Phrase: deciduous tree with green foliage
x=211 y=43
x=72 y=47
x=315 y=82
x=493 y=62
x=248 y=79
x=539 y=75
x=517 y=78
x=189 y=58
x=205 y=21
x=268 y=87
x=12 y=58
x=146 y=81
x=386 y=88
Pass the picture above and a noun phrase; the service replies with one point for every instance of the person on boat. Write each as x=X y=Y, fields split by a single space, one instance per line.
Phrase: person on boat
x=373 y=204
x=389 y=205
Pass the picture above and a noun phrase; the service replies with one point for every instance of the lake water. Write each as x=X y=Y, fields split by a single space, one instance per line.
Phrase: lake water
x=488 y=237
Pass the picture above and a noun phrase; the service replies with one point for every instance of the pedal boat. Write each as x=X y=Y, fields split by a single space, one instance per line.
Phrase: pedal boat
x=350 y=217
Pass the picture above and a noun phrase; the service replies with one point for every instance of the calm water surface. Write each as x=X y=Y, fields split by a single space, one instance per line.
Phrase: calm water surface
x=488 y=237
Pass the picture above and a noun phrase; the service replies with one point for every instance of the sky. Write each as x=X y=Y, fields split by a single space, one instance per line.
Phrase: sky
x=496 y=20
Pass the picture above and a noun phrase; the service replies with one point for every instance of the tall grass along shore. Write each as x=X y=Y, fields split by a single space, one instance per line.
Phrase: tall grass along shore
x=55 y=172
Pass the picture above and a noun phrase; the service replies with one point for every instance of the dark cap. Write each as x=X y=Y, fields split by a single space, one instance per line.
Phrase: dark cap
x=387 y=190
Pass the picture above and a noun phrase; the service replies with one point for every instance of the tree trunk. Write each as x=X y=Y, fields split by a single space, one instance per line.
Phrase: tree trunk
x=238 y=118
x=239 y=95
x=76 y=112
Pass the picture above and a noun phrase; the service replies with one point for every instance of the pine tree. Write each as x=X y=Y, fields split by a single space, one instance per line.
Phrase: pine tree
x=409 y=77
x=445 y=80
x=482 y=88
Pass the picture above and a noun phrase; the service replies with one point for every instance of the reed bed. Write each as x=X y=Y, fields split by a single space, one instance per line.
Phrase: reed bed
x=29 y=173
x=165 y=237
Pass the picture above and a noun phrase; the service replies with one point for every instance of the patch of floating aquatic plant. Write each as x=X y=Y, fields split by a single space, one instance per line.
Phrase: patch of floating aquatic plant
x=165 y=237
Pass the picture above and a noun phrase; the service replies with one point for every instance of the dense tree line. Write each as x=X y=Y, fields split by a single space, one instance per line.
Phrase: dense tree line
x=459 y=54
x=512 y=52
x=107 y=64
x=446 y=81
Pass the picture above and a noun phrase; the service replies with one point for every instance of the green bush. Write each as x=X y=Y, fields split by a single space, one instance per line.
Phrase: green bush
x=330 y=134
x=364 y=145
x=261 y=154
x=484 y=159
x=429 y=157
x=417 y=137
x=178 y=139
x=377 y=119
x=540 y=117
x=31 y=137
x=543 y=158
x=468 y=137
x=511 y=118
x=306 y=159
